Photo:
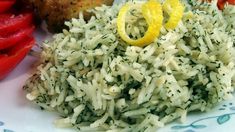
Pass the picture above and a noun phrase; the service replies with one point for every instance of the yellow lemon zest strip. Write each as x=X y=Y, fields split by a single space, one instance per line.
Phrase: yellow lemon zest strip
x=152 y=12
x=175 y=9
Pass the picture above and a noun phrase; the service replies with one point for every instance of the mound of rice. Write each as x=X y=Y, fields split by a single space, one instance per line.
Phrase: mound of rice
x=97 y=82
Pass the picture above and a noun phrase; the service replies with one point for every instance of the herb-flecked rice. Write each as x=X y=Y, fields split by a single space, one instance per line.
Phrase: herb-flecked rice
x=97 y=82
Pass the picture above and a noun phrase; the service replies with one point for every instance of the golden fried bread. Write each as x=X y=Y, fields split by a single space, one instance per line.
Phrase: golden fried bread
x=55 y=12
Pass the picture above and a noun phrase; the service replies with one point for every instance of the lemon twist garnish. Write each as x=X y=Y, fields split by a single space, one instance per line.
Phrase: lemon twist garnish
x=152 y=12
x=175 y=10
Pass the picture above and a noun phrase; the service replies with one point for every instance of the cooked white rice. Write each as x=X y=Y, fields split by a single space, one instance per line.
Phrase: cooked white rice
x=97 y=82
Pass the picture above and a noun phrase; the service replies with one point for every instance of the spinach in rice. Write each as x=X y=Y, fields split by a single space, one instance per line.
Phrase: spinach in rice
x=98 y=82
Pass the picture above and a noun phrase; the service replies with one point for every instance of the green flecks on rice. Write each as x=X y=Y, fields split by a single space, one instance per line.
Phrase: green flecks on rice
x=97 y=82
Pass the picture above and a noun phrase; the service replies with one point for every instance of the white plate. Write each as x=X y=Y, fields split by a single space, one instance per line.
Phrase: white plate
x=19 y=115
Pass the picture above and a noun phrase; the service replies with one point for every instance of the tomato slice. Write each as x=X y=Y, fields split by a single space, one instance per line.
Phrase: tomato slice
x=6 y=4
x=10 y=23
x=221 y=3
x=3 y=56
x=232 y=2
x=12 y=39
x=5 y=16
x=10 y=58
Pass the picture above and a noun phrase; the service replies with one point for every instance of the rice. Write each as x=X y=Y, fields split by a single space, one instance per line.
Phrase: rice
x=97 y=82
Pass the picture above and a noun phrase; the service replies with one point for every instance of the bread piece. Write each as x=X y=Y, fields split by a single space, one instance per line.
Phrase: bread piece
x=55 y=12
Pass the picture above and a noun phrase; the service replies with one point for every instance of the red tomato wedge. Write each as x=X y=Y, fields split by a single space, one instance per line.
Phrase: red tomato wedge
x=232 y=2
x=7 y=41
x=6 y=4
x=12 y=57
x=10 y=23
x=221 y=3
x=2 y=56
x=15 y=36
